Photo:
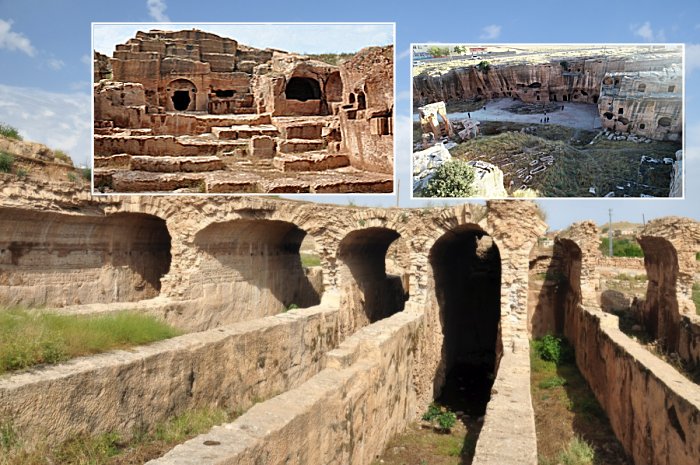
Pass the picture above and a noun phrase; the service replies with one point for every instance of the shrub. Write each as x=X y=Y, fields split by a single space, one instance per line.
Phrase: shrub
x=452 y=179
x=6 y=162
x=436 y=51
x=9 y=132
x=440 y=415
x=72 y=177
x=484 y=66
x=21 y=173
x=549 y=348
x=86 y=173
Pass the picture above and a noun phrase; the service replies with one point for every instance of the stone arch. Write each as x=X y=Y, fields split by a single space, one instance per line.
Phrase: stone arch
x=368 y=293
x=665 y=121
x=466 y=269
x=181 y=95
x=351 y=98
x=361 y=101
x=118 y=258
x=660 y=310
x=302 y=89
x=252 y=268
x=334 y=88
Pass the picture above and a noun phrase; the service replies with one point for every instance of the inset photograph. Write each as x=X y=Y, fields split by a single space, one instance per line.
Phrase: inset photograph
x=547 y=120
x=243 y=108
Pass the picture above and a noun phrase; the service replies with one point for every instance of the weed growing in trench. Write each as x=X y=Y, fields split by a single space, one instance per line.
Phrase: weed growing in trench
x=552 y=349
x=444 y=419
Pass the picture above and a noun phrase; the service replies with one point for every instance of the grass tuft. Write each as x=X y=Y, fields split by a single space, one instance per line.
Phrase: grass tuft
x=6 y=162
x=8 y=131
x=29 y=338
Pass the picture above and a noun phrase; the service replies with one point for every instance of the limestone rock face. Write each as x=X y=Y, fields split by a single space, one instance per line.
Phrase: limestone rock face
x=640 y=95
x=646 y=103
x=425 y=162
x=367 y=111
x=488 y=180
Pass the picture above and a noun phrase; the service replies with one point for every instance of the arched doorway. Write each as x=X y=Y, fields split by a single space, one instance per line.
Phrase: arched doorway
x=334 y=88
x=369 y=293
x=302 y=89
x=466 y=267
x=181 y=95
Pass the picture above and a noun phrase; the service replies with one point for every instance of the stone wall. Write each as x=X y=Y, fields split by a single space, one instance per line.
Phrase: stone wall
x=345 y=415
x=652 y=408
x=231 y=367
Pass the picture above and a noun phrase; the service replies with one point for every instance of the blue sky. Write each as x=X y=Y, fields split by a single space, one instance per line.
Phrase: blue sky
x=45 y=54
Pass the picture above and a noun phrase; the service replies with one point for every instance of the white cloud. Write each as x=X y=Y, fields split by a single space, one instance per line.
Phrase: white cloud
x=59 y=120
x=156 y=8
x=12 y=41
x=55 y=64
x=490 y=32
x=646 y=32
x=300 y=38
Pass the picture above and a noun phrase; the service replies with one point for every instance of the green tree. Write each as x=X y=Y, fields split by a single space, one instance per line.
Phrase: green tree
x=621 y=248
x=454 y=178
x=436 y=51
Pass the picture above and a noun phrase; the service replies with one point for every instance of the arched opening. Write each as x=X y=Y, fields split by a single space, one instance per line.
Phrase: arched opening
x=181 y=100
x=369 y=293
x=664 y=121
x=351 y=98
x=182 y=95
x=535 y=85
x=620 y=111
x=608 y=115
x=334 y=88
x=642 y=87
x=303 y=89
x=466 y=266
x=564 y=98
x=361 y=101
x=595 y=99
x=57 y=260
x=253 y=268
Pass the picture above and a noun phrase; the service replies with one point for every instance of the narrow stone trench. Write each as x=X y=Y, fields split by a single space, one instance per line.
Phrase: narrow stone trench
x=466 y=266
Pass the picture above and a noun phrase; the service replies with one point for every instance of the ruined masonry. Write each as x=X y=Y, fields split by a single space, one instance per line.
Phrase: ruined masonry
x=189 y=111
x=400 y=298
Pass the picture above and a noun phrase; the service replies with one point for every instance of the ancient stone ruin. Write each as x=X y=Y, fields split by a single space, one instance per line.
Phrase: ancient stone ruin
x=189 y=111
x=582 y=96
x=637 y=91
x=345 y=355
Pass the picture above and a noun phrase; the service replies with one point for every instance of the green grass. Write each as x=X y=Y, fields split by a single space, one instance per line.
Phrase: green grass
x=29 y=338
x=309 y=260
x=552 y=381
x=577 y=452
x=696 y=297
x=112 y=448
x=9 y=132
x=6 y=162
x=578 y=166
x=86 y=173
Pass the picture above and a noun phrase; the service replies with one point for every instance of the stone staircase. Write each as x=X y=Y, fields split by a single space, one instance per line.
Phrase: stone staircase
x=247 y=154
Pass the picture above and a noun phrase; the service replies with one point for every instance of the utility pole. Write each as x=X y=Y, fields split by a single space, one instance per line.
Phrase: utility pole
x=610 y=232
